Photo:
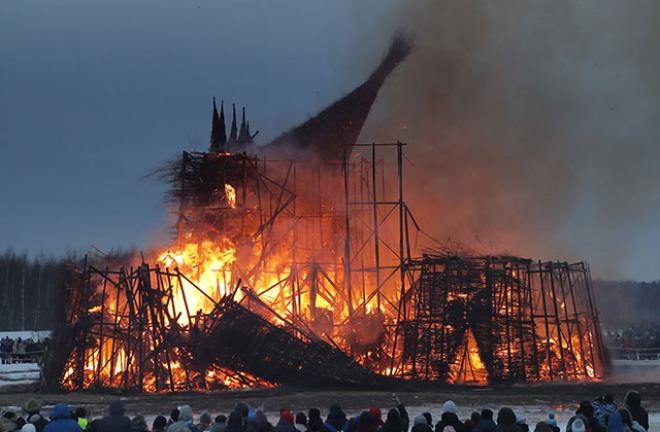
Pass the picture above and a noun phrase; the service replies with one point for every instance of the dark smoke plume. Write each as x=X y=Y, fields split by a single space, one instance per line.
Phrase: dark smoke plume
x=533 y=126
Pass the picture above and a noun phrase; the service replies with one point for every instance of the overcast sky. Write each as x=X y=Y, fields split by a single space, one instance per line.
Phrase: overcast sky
x=95 y=95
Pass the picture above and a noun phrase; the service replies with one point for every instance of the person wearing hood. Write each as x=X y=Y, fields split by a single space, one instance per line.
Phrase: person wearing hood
x=449 y=417
x=506 y=420
x=159 y=424
x=301 y=422
x=220 y=423
x=186 y=418
x=633 y=402
x=486 y=423
x=261 y=422
x=204 y=421
x=314 y=420
x=61 y=421
x=116 y=420
x=392 y=422
x=421 y=424
x=285 y=424
x=336 y=420
x=629 y=423
x=235 y=422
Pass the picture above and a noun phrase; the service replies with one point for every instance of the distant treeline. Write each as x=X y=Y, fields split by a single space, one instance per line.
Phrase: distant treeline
x=623 y=304
x=31 y=292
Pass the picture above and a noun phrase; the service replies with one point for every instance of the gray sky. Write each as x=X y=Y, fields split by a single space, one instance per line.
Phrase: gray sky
x=537 y=125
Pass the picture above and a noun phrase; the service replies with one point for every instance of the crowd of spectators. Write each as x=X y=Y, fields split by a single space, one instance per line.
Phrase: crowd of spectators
x=641 y=338
x=21 y=350
x=600 y=415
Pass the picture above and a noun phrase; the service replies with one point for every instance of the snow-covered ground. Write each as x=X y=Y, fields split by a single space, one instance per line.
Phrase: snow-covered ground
x=18 y=374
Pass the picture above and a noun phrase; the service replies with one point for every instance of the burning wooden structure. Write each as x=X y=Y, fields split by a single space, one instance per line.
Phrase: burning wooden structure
x=293 y=264
x=501 y=319
x=325 y=298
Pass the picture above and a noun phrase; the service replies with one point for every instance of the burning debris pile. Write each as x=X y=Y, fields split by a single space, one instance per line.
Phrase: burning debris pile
x=131 y=335
x=295 y=266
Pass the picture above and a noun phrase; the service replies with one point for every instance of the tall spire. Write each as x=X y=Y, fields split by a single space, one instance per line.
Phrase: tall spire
x=218 y=135
x=243 y=135
x=234 y=129
x=223 y=129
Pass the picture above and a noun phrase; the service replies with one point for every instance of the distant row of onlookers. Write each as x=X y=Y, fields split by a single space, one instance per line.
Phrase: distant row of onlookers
x=21 y=350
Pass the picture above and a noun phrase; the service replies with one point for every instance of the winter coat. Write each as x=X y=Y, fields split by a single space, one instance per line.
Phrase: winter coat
x=422 y=428
x=603 y=410
x=61 y=420
x=485 y=426
x=283 y=426
x=449 y=419
x=634 y=404
x=115 y=421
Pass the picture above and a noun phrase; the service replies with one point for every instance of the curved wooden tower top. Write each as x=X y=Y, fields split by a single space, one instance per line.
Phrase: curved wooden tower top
x=326 y=135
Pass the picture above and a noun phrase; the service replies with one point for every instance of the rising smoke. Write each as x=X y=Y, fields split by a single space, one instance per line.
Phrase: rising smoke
x=533 y=126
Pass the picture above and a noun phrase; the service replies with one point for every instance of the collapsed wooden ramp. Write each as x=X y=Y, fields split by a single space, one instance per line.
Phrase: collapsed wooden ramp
x=250 y=343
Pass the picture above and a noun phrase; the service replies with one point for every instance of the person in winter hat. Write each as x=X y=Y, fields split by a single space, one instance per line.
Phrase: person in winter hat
x=421 y=425
x=61 y=421
x=285 y=424
x=28 y=427
x=116 y=420
x=186 y=418
x=235 y=422
x=551 y=421
x=367 y=423
x=633 y=402
x=449 y=417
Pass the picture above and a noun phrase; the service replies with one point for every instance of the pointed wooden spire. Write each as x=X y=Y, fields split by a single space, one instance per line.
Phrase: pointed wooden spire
x=217 y=131
x=233 y=131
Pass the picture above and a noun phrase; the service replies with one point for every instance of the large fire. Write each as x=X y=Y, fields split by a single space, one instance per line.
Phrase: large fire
x=318 y=252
